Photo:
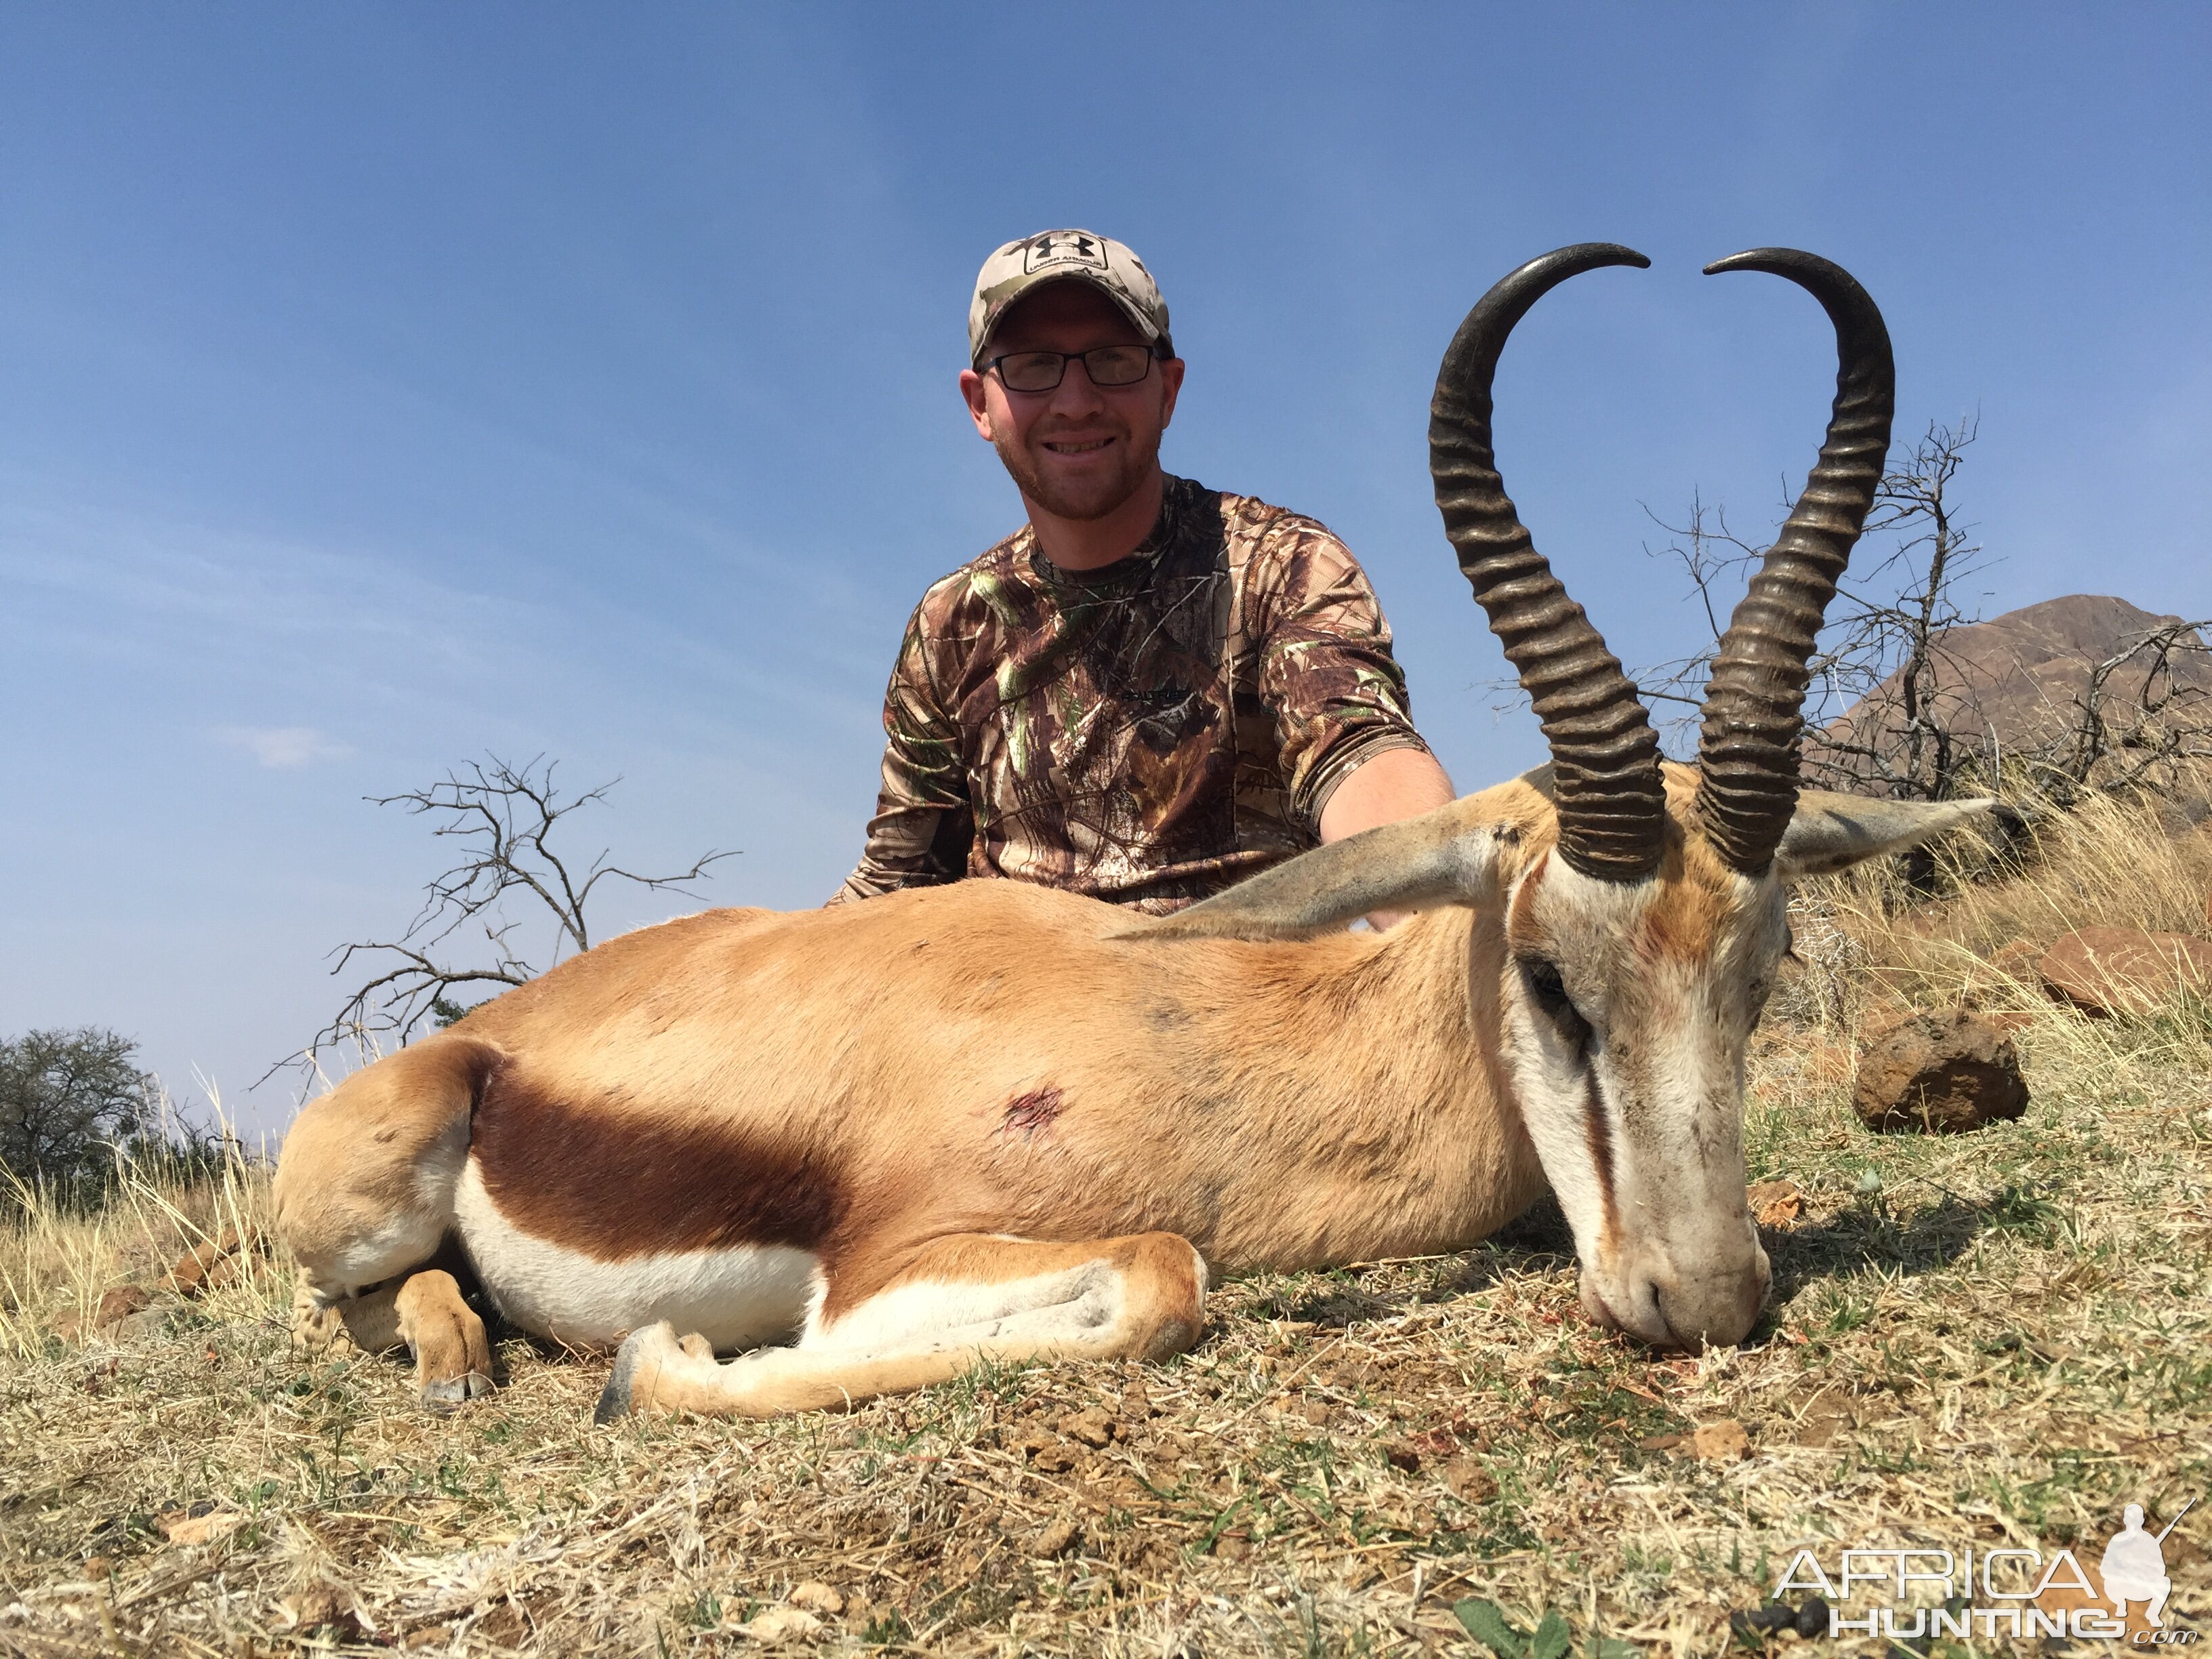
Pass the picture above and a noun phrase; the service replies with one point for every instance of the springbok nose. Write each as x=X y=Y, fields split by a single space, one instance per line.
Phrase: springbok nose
x=1712 y=1308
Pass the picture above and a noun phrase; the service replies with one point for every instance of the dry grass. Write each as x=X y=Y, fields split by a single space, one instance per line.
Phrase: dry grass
x=1999 y=1337
x=1871 y=944
x=56 y=1263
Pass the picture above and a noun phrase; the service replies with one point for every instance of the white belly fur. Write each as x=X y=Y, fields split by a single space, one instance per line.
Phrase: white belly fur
x=736 y=1299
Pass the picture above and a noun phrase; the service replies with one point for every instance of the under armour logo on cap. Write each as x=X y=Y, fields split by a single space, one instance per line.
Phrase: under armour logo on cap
x=1053 y=256
x=1063 y=247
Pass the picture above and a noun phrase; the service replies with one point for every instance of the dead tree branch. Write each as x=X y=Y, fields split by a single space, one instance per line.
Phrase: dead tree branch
x=1882 y=647
x=2155 y=722
x=1894 y=706
x=504 y=817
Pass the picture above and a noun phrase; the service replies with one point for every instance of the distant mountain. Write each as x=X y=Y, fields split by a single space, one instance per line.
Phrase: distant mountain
x=2020 y=686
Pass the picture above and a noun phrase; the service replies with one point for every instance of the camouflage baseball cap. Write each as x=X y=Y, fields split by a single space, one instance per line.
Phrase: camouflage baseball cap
x=1056 y=256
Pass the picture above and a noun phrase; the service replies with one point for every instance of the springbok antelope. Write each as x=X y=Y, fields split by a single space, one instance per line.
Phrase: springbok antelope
x=998 y=1120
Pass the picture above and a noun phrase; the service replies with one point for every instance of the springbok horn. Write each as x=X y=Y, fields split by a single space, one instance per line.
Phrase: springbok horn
x=1612 y=803
x=1754 y=703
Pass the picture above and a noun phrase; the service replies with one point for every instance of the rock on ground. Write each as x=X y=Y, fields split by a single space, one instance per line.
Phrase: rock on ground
x=117 y=1304
x=215 y=1262
x=2123 y=971
x=780 y=1627
x=815 y=1596
x=1724 y=1441
x=1945 y=1073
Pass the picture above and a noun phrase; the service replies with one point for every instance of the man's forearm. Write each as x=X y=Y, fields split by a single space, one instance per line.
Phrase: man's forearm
x=1398 y=783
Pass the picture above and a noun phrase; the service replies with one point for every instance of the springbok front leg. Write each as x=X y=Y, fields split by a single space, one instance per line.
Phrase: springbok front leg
x=961 y=1301
x=364 y=1197
x=423 y=1313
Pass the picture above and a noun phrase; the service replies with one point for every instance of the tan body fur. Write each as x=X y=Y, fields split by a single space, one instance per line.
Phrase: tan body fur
x=976 y=1059
x=929 y=1088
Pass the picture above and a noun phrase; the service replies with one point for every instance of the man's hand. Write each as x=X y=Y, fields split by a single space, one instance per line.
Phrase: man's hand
x=1398 y=783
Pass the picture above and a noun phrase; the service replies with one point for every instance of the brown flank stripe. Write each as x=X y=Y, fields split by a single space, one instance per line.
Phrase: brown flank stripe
x=615 y=1183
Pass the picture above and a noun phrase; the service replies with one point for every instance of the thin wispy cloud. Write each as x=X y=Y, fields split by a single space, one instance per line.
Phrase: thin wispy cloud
x=282 y=747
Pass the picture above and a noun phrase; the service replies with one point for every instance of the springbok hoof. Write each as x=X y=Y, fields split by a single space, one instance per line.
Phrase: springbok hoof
x=615 y=1401
x=451 y=1393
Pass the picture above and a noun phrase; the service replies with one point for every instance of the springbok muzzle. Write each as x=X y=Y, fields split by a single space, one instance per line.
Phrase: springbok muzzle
x=1649 y=1298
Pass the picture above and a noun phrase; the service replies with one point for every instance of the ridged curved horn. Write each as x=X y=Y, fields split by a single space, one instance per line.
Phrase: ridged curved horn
x=1754 y=703
x=1612 y=803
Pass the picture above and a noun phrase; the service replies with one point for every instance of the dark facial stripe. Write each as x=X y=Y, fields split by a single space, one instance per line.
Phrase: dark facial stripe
x=1598 y=1132
x=617 y=1183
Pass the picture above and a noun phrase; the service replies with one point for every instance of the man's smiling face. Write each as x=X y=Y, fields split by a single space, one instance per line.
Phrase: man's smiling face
x=1078 y=451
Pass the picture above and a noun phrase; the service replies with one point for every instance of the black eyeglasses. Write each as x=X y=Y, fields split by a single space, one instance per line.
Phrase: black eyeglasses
x=1040 y=371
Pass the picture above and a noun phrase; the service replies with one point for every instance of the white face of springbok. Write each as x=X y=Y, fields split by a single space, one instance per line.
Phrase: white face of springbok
x=1628 y=1009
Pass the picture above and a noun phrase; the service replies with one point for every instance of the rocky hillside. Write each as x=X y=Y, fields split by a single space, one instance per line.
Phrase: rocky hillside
x=2087 y=684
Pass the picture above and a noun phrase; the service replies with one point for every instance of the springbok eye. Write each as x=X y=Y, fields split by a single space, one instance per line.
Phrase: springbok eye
x=1548 y=990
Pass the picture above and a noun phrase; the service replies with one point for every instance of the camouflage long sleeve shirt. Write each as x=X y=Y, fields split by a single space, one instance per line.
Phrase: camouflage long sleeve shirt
x=1147 y=734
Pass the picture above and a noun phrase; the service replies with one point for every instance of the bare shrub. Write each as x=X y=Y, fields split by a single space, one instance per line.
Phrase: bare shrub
x=1883 y=639
x=506 y=818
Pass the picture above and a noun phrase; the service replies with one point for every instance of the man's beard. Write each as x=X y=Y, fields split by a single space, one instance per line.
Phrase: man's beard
x=1086 y=502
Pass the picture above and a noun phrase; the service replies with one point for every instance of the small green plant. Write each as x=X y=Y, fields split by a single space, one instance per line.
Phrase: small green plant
x=887 y=1630
x=1488 y=1623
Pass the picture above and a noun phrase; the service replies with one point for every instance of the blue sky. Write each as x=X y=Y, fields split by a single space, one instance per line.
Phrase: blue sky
x=383 y=386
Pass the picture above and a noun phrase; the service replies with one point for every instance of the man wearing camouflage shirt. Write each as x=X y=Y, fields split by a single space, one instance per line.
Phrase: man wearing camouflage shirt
x=1152 y=688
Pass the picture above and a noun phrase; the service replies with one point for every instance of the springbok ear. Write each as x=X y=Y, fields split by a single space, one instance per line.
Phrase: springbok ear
x=1420 y=863
x=1830 y=832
